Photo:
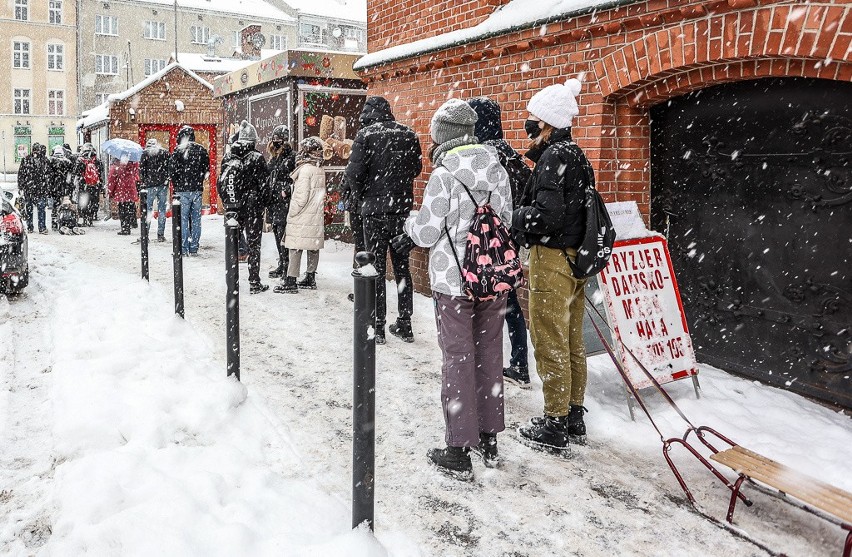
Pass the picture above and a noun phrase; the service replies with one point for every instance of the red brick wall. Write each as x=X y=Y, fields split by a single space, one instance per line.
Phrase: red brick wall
x=392 y=23
x=629 y=58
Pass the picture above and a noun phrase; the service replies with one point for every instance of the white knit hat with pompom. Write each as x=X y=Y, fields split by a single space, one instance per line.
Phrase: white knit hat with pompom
x=557 y=104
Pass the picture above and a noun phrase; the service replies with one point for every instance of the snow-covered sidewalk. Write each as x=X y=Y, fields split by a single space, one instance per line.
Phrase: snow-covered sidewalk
x=119 y=433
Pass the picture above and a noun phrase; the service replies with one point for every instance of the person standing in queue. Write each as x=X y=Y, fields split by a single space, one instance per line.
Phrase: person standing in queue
x=282 y=163
x=154 y=173
x=189 y=165
x=306 y=218
x=250 y=176
x=550 y=219
x=386 y=158
x=489 y=131
x=90 y=175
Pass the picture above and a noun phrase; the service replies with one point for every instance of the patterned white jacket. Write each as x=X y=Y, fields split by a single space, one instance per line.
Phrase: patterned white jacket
x=447 y=206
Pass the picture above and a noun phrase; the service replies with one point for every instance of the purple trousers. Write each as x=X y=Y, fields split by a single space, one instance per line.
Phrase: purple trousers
x=470 y=335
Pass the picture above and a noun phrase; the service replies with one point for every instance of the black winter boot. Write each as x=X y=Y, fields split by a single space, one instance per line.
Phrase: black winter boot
x=487 y=449
x=287 y=287
x=517 y=375
x=309 y=282
x=453 y=461
x=257 y=287
x=402 y=329
x=278 y=272
x=575 y=425
x=549 y=433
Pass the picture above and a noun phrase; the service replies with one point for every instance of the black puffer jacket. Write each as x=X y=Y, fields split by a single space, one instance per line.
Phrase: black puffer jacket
x=34 y=176
x=281 y=184
x=551 y=211
x=188 y=165
x=386 y=158
x=154 y=167
x=252 y=177
x=61 y=177
x=489 y=131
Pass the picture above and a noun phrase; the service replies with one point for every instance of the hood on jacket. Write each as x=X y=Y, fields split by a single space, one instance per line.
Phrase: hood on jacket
x=476 y=166
x=242 y=148
x=376 y=109
x=489 y=127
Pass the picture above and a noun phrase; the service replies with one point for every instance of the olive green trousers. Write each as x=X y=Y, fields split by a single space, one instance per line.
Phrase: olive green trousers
x=556 y=327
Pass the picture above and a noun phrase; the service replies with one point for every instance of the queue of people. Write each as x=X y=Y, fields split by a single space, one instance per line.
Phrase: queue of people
x=63 y=178
x=475 y=172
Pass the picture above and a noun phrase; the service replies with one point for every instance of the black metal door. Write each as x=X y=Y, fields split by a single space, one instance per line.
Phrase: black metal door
x=751 y=184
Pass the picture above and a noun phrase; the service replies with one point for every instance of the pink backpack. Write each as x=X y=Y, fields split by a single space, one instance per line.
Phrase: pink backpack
x=491 y=264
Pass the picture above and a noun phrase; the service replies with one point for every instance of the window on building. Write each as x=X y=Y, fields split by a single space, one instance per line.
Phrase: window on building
x=101 y=98
x=55 y=57
x=106 y=25
x=106 y=64
x=200 y=35
x=21 y=55
x=21 y=99
x=22 y=10
x=237 y=38
x=278 y=42
x=153 y=65
x=310 y=33
x=55 y=11
x=56 y=102
x=155 y=30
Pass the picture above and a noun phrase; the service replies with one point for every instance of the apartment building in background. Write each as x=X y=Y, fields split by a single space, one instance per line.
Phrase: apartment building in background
x=124 y=41
x=38 y=99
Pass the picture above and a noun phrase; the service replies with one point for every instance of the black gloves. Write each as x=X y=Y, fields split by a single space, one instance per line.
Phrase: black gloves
x=402 y=244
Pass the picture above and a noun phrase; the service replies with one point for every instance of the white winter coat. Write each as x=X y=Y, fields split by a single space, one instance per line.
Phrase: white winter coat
x=305 y=220
x=447 y=206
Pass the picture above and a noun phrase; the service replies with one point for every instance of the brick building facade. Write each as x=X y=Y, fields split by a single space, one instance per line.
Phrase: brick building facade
x=159 y=106
x=634 y=58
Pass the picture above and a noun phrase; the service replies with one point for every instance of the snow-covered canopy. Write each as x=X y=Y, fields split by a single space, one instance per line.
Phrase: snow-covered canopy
x=153 y=79
x=197 y=62
x=94 y=116
x=257 y=8
x=351 y=10
x=517 y=14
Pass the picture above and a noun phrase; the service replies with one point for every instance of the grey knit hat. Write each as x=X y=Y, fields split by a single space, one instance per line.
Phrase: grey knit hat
x=455 y=118
x=247 y=132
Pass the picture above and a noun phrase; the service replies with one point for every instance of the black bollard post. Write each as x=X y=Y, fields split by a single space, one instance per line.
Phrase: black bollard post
x=232 y=294
x=364 y=398
x=177 y=255
x=143 y=230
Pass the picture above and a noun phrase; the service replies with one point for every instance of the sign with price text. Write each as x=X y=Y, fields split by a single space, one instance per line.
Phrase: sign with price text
x=643 y=306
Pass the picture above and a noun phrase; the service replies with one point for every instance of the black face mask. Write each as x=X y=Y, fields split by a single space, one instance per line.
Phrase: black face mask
x=532 y=129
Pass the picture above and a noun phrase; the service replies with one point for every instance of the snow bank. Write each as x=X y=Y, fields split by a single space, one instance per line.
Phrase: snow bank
x=160 y=452
x=517 y=14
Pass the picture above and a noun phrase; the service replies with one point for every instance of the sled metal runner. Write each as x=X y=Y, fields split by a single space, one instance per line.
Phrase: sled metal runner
x=839 y=499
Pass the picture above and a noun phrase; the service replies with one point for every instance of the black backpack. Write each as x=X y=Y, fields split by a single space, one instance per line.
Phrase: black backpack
x=596 y=248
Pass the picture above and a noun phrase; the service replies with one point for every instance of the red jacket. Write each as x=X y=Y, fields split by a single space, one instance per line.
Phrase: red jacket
x=121 y=182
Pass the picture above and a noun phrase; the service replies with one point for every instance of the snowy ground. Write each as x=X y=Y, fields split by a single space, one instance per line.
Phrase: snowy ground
x=119 y=433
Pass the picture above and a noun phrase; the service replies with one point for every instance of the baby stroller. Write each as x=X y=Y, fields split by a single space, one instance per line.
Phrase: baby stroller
x=67 y=218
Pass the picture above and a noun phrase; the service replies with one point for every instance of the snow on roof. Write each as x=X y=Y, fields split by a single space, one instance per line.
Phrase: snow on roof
x=154 y=78
x=351 y=10
x=198 y=62
x=256 y=8
x=517 y=14
x=94 y=116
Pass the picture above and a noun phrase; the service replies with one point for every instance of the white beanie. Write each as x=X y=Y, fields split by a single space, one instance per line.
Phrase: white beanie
x=557 y=104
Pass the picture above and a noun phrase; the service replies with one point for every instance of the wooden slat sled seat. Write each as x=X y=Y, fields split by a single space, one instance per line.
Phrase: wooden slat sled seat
x=813 y=493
